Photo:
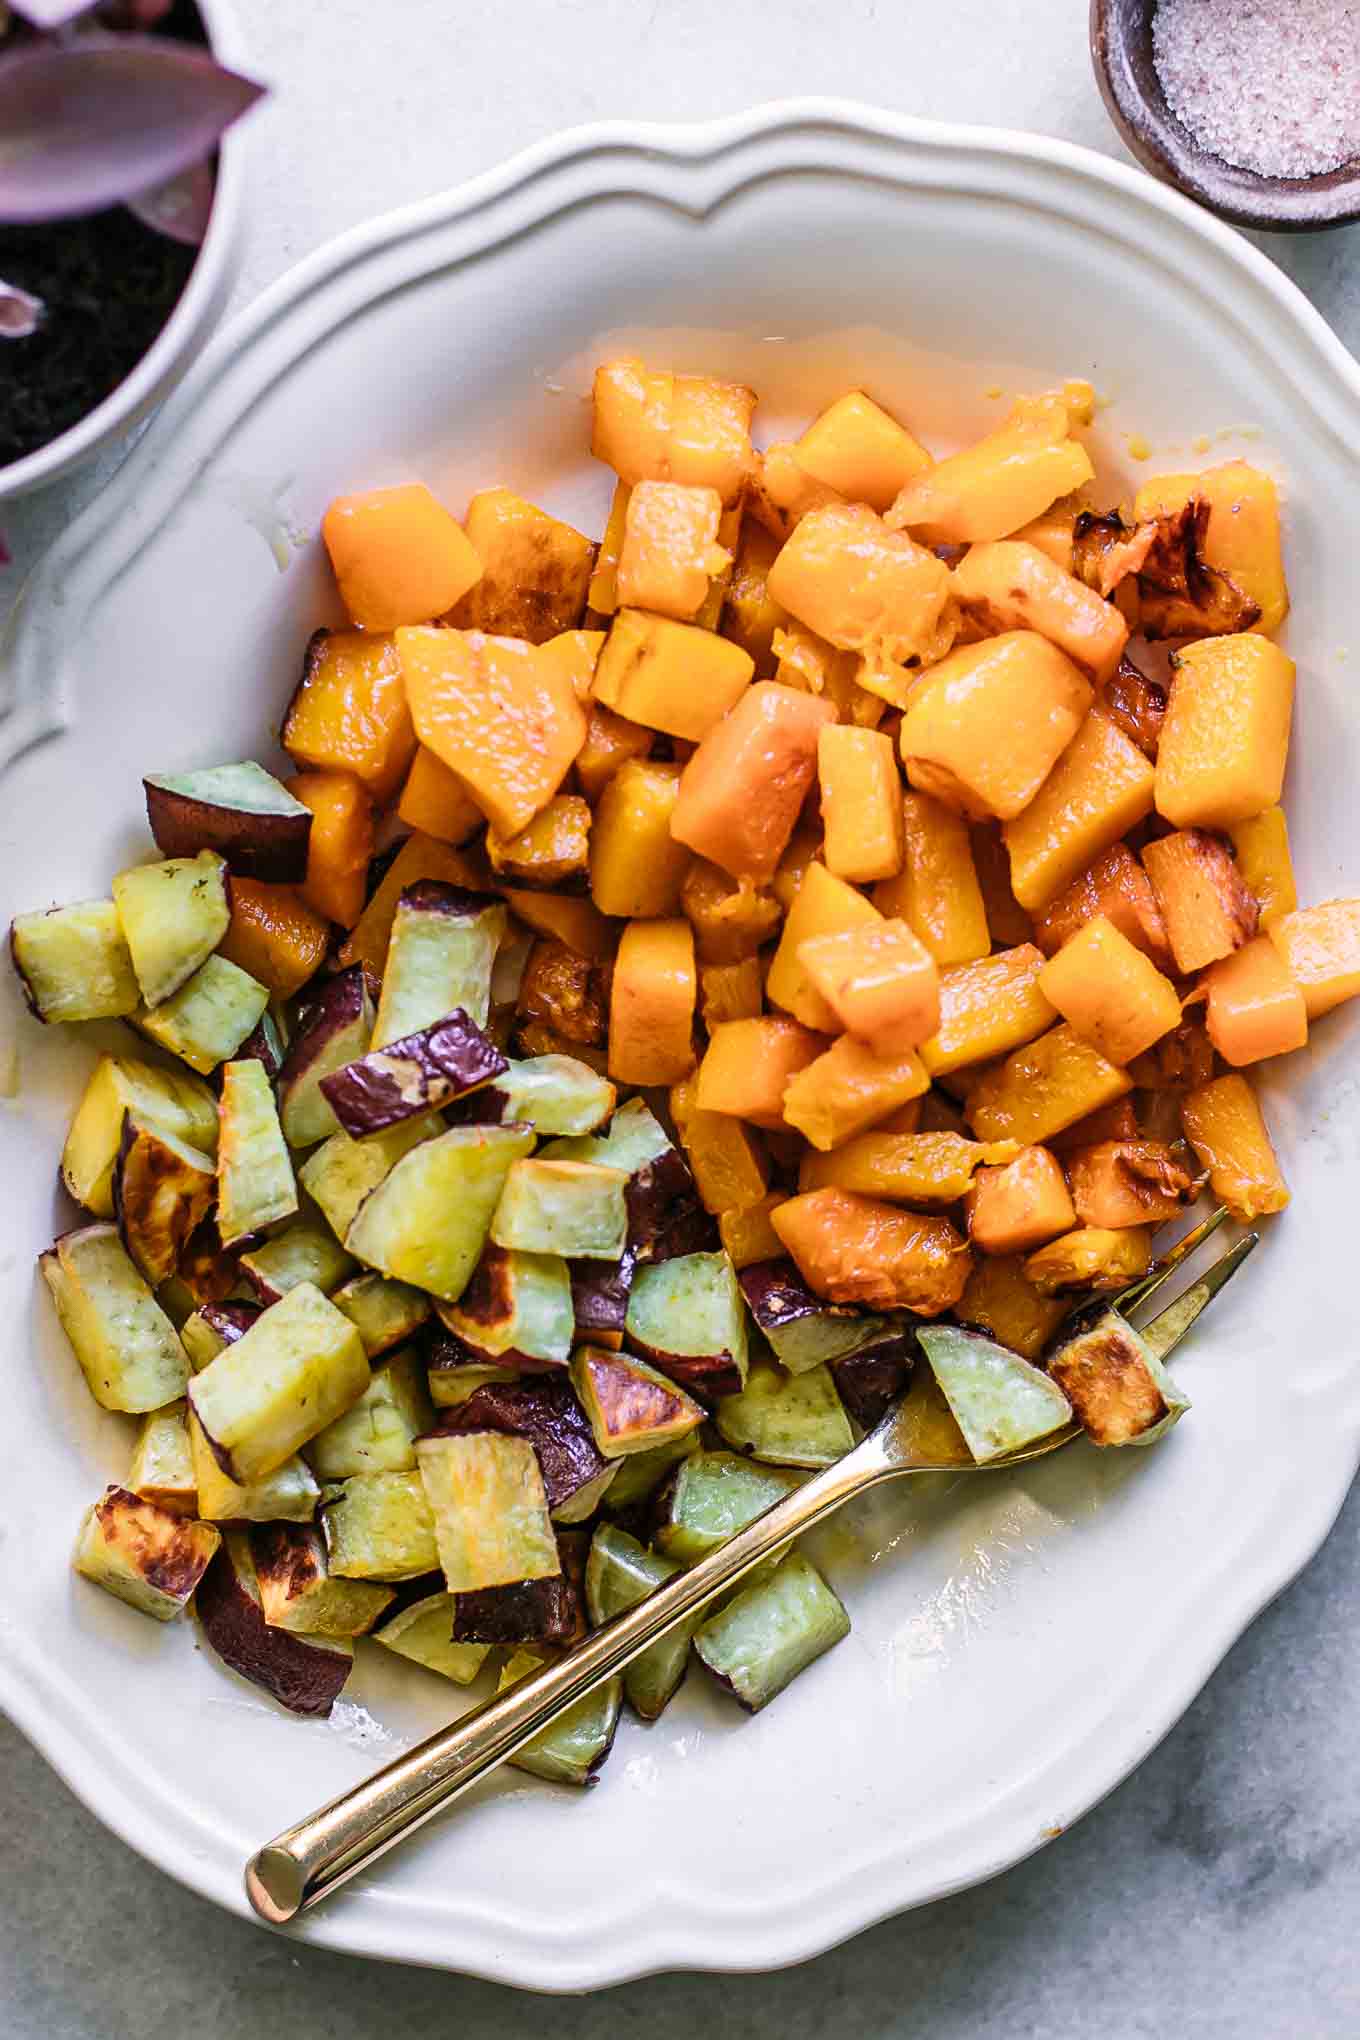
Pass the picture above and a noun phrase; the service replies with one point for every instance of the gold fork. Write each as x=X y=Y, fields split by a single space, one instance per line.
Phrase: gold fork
x=307 y=1862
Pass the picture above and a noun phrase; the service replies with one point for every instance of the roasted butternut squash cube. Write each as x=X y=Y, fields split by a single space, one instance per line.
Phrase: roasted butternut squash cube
x=988 y=1008
x=1261 y=847
x=1044 y=1087
x=339 y=846
x=906 y=1168
x=1051 y=531
x=636 y=866
x=731 y=921
x=670 y=676
x=1119 y=1121
x=398 y=556
x=856 y=448
x=651 y=1008
x=812 y=666
x=1110 y=992
x=726 y=1156
x=551 y=850
x=749 y=1064
x=861 y=791
x=1099 y=788
x=849 y=1089
x=1115 y=886
x=611 y=740
x=535 y=570
x=652 y=426
x=741 y=792
x=419 y=857
x=670 y=549
x=822 y=905
x=937 y=892
x=566 y=918
x=1253 y=1006
x=1118 y=1183
x=879 y=980
x=858 y=1250
x=1019 y=1205
x=497 y=713
x=748 y=1236
x=1223 y=1124
x=1017 y=683
x=1001 y=482
x=1321 y=951
x=709 y=613
x=805 y=848
x=349 y=712
x=731 y=991
x=782 y=493
x=1099 y=1258
x=1242 y=539
x=1009 y=585
x=750 y=614
x=603 y=596
x=436 y=801
x=1207 y=909
x=1001 y=1299
x=274 y=936
x=574 y=654
x=864 y=588
x=1222 y=752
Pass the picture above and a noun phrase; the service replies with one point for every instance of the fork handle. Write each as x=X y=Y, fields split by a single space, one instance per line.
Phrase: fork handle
x=307 y=1862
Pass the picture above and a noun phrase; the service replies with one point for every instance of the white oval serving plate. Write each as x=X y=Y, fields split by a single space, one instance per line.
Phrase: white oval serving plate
x=1019 y=1643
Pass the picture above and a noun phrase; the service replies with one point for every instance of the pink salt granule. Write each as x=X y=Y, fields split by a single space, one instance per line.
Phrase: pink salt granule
x=1267 y=85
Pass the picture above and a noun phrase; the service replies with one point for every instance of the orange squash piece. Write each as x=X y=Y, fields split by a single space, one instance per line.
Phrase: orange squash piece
x=551 y=850
x=741 y=792
x=859 y=450
x=435 y=800
x=340 y=844
x=730 y=921
x=1009 y=585
x=398 y=556
x=497 y=713
x=748 y=1236
x=1118 y=1121
x=1112 y=994
x=879 y=980
x=861 y=791
x=822 y=905
x=1099 y=788
x=857 y=1250
x=564 y=918
x=750 y=614
x=603 y=595
x=1222 y=752
x=1321 y=951
x=670 y=676
x=731 y=991
x=1254 y=1008
x=782 y=493
x=419 y=857
x=1101 y=1259
x=904 y=1168
x=849 y=1089
x=574 y=655
x=1223 y=1124
x=864 y=588
x=652 y=426
x=1002 y=481
x=349 y=713
x=1044 y=1087
x=988 y=1008
x=1242 y=539
x=1261 y=847
x=952 y=732
x=535 y=570
x=274 y=936
x=670 y=548
x=1119 y=1183
x=611 y=740
x=807 y=662
x=1117 y=887
x=1019 y=1205
x=937 y=891
x=636 y=866
x=1207 y=909
x=805 y=848
x=1002 y=1300
x=1007 y=922
x=727 y=1157
x=748 y=1065
x=651 y=1008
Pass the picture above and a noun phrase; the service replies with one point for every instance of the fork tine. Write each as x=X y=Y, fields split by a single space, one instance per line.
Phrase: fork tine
x=1165 y=1332
x=1146 y=1287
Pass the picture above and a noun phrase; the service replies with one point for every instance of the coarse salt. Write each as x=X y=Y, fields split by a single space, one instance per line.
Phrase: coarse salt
x=1266 y=86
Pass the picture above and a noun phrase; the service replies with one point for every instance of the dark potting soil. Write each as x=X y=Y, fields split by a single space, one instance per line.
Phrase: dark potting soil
x=109 y=285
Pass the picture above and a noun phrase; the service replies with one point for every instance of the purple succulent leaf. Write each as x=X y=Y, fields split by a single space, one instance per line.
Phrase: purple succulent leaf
x=49 y=14
x=180 y=208
x=21 y=313
x=103 y=119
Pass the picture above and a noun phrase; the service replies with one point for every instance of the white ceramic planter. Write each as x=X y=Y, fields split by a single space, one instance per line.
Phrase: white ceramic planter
x=180 y=338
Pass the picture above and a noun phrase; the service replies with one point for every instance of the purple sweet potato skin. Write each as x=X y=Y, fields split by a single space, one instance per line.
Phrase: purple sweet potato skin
x=419 y=1073
x=869 y=1382
x=338 y=1003
x=529 y=1611
x=665 y=1216
x=705 y=1376
x=776 y=1294
x=300 y=1677
x=599 y=1296
x=272 y=848
x=230 y=1321
x=546 y=1412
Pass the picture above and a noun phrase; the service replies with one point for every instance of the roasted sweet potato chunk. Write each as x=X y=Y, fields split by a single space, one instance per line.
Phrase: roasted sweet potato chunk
x=436 y=801
x=859 y=450
x=1261 y=847
x=749 y=1064
x=1254 y=1007
x=1135 y=704
x=879 y=980
x=1241 y=533
x=1100 y=787
x=1010 y=585
x=551 y=850
x=670 y=676
x=864 y=588
x=1003 y=480
x=850 y=1088
x=651 y=1009
x=904 y=1168
x=1044 y=1087
x=670 y=550
x=987 y=1009
x=1090 y=1258
x=861 y=791
x=274 y=936
x=340 y=844
x=651 y=425
x=822 y=905
x=1003 y=1301
x=1207 y=908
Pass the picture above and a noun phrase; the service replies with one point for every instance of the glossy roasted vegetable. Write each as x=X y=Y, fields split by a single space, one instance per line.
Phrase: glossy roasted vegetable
x=209 y=1017
x=161 y=1190
x=544 y=1410
x=741 y=792
x=535 y=570
x=517 y=1306
x=427 y=1220
x=999 y=1401
x=423 y=1632
x=1223 y=1124
x=255 y=1182
x=1099 y=789
x=1207 y=909
x=770 y=1631
x=1121 y=1393
x=1020 y=1204
x=490 y=1510
x=300 y=1365
x=349 y=713
x=686 y=1317
x=148 y=1556
x=572 y=1748
x=297 y=1590
x=793 y=1420
x=240 y=812
x=380 y=1526
x=1019 y=683
x=126 y=1345
x=632 y=1407
x=1110 y=991
x=1043 y=1088
x=303 y=1673
x=377 y=1434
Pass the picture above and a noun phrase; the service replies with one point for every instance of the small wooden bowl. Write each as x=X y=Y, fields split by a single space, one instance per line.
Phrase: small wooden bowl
x=1121 y=49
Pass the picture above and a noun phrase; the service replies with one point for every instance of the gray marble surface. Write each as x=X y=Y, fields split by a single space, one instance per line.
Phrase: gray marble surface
x=1213 y=1897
